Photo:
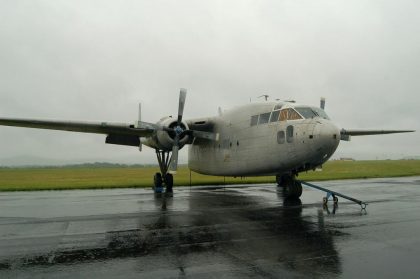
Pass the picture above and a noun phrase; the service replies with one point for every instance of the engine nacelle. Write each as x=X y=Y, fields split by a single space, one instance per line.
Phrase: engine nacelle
x=164 y=140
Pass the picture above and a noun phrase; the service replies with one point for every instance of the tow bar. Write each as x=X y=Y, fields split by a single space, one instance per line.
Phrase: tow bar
x=335 y=195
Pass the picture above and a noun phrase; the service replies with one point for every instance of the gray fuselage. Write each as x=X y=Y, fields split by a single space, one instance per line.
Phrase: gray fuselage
x=248 y=148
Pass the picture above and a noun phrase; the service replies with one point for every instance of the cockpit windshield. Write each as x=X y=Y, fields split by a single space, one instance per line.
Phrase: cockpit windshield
x=321 y=112
x=311 y=112
x=306 y=112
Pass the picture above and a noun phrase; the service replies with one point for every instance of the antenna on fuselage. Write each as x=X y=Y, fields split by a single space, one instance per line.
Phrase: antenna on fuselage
x=322 y=104
x=265 y=96
x=219 y=111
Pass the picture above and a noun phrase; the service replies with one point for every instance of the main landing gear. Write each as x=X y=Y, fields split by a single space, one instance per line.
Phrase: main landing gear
x=163 y=178
x=292 y=187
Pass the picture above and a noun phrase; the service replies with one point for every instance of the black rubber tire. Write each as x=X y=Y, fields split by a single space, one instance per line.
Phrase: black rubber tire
x=157 y=180
x=279 y=180
x=169 y=182
x=283 y=180
x=298 y=188
x=294 y=189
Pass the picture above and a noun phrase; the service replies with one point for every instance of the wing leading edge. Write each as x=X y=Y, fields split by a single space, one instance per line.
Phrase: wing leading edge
x=347 y=133
x=145 y=130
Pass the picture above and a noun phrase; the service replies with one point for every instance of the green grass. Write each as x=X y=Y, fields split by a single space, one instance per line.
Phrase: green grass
x=96 y=178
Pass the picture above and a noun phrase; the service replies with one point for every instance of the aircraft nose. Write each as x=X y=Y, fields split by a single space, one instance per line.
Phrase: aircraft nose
x=328 y=138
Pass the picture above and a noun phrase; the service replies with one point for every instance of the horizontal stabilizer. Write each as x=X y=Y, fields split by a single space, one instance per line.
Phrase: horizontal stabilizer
x=346 y=134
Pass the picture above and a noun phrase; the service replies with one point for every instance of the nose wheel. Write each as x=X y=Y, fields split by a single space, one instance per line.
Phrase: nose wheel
x=292 y=187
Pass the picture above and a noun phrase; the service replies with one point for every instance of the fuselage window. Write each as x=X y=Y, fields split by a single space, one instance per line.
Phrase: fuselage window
x=280 y=137
x=275 y=116
x=264 y=118
x=283 y=114
x=254 y=120
x=293 y=115
x=289 y=134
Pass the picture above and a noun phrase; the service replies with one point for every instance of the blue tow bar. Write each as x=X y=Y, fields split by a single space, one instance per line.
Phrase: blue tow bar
x=333 y=194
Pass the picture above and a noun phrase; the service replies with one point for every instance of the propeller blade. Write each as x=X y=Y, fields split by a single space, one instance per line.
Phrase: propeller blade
x=178 y=131
x=182 y=97
x=174 y=160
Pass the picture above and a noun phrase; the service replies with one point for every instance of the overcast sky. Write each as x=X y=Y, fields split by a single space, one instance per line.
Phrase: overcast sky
x=95 y=60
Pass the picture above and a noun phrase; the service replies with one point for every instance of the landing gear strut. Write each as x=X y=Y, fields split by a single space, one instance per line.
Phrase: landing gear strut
x=292 y=187
x=163 y=178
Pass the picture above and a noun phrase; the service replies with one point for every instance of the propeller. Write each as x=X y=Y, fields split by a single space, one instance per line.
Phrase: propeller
x=178 y=131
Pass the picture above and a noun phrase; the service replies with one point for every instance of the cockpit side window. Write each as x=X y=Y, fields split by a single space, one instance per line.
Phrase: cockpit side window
x=283 y=114
x=293 y=115
x=289 y=114
x=254 y=120
x=275 y=116
x=264 y=118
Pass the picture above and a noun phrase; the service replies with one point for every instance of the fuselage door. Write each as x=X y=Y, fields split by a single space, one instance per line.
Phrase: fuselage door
x=289 y=134
x=290 y=142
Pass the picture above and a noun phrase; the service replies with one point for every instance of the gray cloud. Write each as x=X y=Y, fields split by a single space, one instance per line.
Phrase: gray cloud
x=95 y=60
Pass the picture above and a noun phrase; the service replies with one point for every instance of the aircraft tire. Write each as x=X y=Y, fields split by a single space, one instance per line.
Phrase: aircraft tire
x=169 y=182
x=283 y=180
x=157 y=182
x=279 y=180
x=294 y=189
x=298 y=189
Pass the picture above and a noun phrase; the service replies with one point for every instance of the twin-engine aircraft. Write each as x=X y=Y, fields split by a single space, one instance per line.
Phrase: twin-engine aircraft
x=269 y=138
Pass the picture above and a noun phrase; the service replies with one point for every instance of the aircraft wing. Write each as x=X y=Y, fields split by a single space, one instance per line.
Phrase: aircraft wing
x=347 y=133
x=145 y=129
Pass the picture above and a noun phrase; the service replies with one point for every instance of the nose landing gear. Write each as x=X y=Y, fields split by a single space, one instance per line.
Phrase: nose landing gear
x=292 y=187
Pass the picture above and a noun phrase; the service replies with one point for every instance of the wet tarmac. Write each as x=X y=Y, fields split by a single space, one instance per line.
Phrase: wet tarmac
x=213 y=232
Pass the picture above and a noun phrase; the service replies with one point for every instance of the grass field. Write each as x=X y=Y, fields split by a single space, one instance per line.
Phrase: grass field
x=95 y=178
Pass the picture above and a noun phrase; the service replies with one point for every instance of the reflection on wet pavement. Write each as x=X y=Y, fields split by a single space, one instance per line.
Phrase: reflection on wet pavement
x=232 y=232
